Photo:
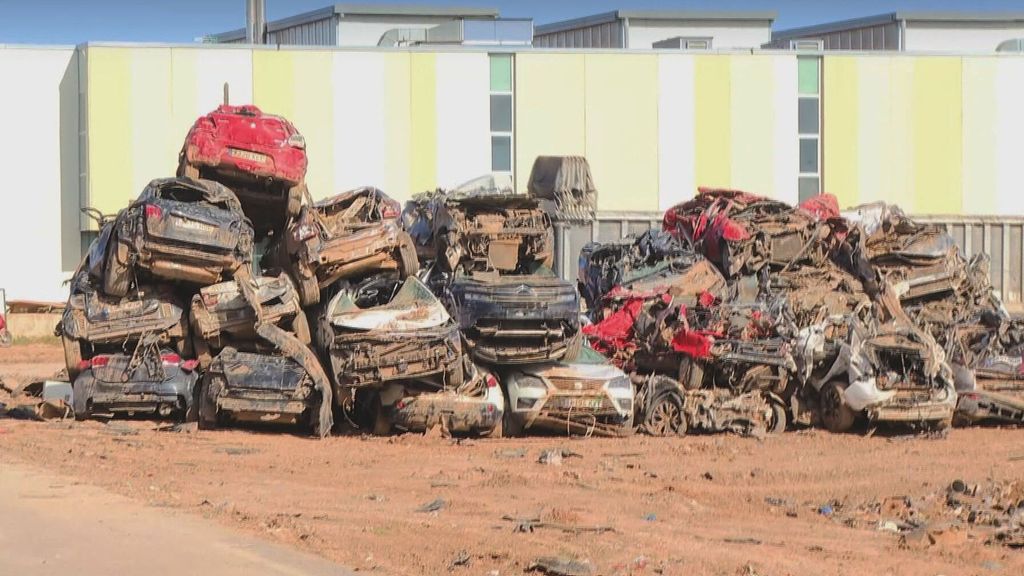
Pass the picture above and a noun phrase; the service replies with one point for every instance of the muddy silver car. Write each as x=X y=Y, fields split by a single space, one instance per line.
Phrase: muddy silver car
x=148 y=382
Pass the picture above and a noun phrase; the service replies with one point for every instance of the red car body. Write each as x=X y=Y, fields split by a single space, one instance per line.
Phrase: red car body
x=242 y=141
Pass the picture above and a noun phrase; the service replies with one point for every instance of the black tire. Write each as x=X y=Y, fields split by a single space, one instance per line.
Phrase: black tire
x=72 y=356
x=82 y=402
x=381 y=421
x=499 y=429
x=308 y=288
x=778 y=422
x=117 y=276
x=295 y=194
x=300 y=327
x=665 y=416
x=836 y=415
x=209 y=389
x=691 y=373
x=408 y=262
x=511 y=427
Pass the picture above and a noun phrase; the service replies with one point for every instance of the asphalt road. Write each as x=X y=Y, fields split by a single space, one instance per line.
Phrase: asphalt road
x=49 y=525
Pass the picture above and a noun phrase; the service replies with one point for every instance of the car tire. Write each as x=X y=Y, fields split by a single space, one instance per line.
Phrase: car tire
x=207 y=412
x=408 y=262
x=381 y=421
x=72 y=356
x=295 y=194
x=778 y=422
x=511 y=427
x=836 y=415
x=81 y=399
x=300 y=327
x=116 y=278
x=665 y=416
x=309 y=289
x=691 y=373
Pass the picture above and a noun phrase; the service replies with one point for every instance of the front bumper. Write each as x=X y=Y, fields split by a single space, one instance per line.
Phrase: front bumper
x=266 y=406
x=914 y=406
x=363 y=359
x=984 y=406
x=458 y=413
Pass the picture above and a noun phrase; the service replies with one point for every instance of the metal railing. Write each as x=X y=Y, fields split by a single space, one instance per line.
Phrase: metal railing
x=1001 y=237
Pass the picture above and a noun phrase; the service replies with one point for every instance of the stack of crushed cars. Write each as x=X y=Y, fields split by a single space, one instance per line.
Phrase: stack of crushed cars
x=749 y=315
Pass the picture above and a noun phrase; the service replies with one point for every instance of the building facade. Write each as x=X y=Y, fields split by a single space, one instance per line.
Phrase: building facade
x=682 y=29
x=963 y=32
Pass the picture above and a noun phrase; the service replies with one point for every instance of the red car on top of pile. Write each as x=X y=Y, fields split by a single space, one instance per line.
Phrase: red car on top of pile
x=261 y=157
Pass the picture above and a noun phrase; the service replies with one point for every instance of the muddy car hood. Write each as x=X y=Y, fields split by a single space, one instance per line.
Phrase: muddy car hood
x=569 y=370
x=414 y=307
x=212 y=192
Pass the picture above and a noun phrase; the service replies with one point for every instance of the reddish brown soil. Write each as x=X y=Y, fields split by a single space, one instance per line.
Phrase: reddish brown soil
x=694 y=505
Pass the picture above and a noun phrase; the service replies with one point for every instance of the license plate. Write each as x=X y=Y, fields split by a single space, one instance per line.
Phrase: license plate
x=247 y=155
x=195 y=225
x=580 y=403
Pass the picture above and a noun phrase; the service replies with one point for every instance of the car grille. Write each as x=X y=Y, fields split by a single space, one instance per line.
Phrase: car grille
x=587 y=384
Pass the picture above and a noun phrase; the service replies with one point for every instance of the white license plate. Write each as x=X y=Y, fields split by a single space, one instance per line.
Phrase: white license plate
x=247 y=155
x=196 y=225
x=580 y=403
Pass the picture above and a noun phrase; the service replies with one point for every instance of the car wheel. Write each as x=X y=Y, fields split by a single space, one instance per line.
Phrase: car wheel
x=381 y=421
x=82 y=402
x=836 y=415
x=777 y=423
x=72 y=356
x=209 y=389
x=691 y=373
x=665 y=416
x=499 y=429
x=295 y=194
x=409 y=264
x=309 y=289
x=511 y=427
x=300 y=327
x=116 y=278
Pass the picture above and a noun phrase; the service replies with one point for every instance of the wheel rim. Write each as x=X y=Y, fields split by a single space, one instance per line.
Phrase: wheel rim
x=664 y=418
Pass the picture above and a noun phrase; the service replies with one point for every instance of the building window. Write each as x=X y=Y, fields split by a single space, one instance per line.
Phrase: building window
x=502 y=114
x=809 y=125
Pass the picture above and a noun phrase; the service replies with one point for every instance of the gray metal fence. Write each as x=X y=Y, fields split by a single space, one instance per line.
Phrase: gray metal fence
x=1001 y=237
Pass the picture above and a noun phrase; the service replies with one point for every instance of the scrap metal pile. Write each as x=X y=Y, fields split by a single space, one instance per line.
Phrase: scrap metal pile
x=751 y=314
x=226 y=294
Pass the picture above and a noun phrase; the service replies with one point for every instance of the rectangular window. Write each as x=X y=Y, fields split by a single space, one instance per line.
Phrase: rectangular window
x=809 y=125
x=502 y=113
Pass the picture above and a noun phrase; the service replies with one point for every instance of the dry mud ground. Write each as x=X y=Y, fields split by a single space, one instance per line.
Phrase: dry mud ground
x=693 y=505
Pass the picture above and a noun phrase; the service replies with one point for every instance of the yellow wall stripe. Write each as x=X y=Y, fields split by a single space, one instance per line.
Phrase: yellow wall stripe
x=981 y=126
x=110 y=153
x=938 y=135
x=752 y=124
x=840 y=128
x=423 y=106
x=713 y=133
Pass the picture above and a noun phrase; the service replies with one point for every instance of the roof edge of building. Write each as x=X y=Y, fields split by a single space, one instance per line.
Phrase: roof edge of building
x=615 y=15
x=901 y=15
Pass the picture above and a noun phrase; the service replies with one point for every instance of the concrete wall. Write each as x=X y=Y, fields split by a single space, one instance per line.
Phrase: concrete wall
x=39 y=238
x=961 y=37
x=644 y=33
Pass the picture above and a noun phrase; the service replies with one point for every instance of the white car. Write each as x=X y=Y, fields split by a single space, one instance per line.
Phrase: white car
x=588 y=396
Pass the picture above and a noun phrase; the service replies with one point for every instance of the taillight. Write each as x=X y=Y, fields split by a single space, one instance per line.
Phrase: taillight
x=99 y=361
x=84 y=365
x=170 y=359
x=297 y=141
x=304 y=232
x=400 y=405
x=390 y=210
x=154 y=211
x=189 y=365
x=492 y=382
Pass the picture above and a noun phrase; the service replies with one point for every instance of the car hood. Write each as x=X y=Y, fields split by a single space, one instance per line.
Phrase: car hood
x=414 y=307
x=567 y=370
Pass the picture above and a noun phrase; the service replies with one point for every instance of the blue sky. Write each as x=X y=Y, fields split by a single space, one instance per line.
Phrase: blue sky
x=75 y=21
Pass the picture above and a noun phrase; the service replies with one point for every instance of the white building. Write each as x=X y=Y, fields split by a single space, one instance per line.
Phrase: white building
x=961 y=32
x=682 y=29
x=391 y=25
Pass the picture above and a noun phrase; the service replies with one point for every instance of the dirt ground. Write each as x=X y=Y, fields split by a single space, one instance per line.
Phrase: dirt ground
x=694 y=505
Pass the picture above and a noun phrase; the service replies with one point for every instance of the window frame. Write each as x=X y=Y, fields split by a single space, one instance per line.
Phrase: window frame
x=510 y=134
x=810 y=136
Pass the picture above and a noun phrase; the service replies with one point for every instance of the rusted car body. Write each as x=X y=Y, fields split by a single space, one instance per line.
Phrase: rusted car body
x=517 y=319
x=587 y=396
x=178 y=229
x=565 y=186
x=261 y=156
x=742 y=232
x=482 y=231
x=352 y=234
x=263 y=388
x=149 y=381
x=221 y=316
x=386 y=330
x=475 y=406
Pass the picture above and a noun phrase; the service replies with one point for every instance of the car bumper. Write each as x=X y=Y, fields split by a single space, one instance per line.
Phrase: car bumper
x=457 y=413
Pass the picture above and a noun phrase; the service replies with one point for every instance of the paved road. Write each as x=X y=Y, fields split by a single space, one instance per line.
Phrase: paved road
x=49 y=526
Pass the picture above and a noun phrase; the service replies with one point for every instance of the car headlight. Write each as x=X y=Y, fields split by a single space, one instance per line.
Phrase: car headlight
x=530 y=382
x=619 y=383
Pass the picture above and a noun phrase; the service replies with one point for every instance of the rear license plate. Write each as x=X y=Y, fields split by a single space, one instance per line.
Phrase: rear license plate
x=580 y=403
x=194 y=225
x=247 y=155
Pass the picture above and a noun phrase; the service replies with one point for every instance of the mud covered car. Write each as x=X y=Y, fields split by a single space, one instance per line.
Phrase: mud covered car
x=178 y=229
x=651 y=255
x=386 y=329
x=222 y=317
x=587 y=396
x=259 y=388
x=491 y=230
x=517 y=319
x=742 y=232
x=891 y=373
x=261 y=156
x=149 y=381
x=355 y=233
x=473 y=407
